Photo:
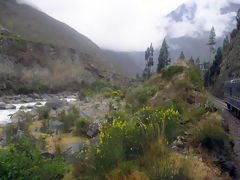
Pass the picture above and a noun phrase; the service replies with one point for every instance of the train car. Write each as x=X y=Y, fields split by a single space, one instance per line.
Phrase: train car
x=232 y=96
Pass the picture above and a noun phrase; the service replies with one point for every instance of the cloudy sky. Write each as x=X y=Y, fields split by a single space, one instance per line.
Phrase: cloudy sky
x=127 y=25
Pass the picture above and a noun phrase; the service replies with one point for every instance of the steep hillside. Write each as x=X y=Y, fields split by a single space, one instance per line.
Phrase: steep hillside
x=230 y=66
x=27 y=64
x=33 y=25
x=133 y=62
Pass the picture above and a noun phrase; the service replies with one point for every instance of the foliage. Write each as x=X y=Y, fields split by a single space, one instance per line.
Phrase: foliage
x=113 y=93
x=43 y=112
x=23 y=160
x=191 y=60
x=97 y=87
x=69 y=119
x=212 y=41
x=128 y=136
x=214 y=69
x=81 y=126
x=35 y=86
x=211 y=136
x=20 y=45
x=144 y=94
x=171 y=71
x=163 y=59
x=195 y=79
x=182 y=56
x=149 y=61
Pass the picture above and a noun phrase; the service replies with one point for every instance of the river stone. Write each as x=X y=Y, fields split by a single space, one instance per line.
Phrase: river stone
x=4 y=106
x=30 y=106
x=19 y=116
x=92 y=129
x=55 y=103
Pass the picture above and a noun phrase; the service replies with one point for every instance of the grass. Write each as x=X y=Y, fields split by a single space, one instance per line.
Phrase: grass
x=211 y=136
x=170 y=72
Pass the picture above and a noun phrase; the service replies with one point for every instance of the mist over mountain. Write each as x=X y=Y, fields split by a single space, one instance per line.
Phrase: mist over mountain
x=192 y=44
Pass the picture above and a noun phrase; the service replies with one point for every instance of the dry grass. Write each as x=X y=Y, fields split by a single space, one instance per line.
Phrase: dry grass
x=35 y=125
x=61 y=140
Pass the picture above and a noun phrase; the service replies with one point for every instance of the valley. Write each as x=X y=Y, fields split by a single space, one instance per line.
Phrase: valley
x=72 y=110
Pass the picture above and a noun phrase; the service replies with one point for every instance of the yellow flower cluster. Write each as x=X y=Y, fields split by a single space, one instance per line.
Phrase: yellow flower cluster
x=113 y=93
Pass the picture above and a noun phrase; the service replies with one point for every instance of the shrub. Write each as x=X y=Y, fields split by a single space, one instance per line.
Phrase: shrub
x=43 y=112
x=128 y=136
x=23 y=160
x=195 y=79
x=69 y=119
x=211 y=136
x=145 y=93
x=171 y=71
x=81 y=126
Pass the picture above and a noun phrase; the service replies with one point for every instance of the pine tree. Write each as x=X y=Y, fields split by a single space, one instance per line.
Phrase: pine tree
x=191 y=60
x=163 y=59
x=198 y=61
x=238 y=19
x=182 y=56
x=214 y=70
x=212 y=41
x=226 y=43
x=149 y=61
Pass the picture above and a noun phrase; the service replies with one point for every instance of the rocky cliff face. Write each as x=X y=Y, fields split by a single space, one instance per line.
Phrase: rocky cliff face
x=230 y=67
x=25 y=62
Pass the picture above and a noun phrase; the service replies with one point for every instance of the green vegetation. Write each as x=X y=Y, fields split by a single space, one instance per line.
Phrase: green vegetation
x=171 y=71
x=139 y=96
x=163 y=59
x=20 y=45
x=69 y=119
x=80 y=126
x=195 y=79
x=97 y=87
x=212 y=136
x=23 y=160
x=128 y=138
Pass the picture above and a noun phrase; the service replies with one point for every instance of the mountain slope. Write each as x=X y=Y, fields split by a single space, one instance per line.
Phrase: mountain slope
x=133 y=62
x=32 y=24
x=230 y=66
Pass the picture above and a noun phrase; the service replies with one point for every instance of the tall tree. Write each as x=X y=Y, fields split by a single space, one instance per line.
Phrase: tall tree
x=163 y=59
x=182 y=56
x=198 y=61
x=212 y=41
x=191 y=60
x=238 y=19
x=149 y=61
x=226 y=43
x=214 y=70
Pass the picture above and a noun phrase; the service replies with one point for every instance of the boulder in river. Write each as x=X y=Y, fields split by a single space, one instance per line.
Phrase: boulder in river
x=19 y=116
x=55 y=103
x=4 y=106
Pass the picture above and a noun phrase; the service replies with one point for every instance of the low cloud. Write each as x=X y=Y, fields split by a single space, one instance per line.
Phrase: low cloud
x=131 y=25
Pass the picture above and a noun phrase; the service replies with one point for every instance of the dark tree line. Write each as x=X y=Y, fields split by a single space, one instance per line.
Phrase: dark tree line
x=163 y=59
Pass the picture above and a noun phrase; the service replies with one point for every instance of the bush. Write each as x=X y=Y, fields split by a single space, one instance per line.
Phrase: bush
x=43 y=112
x=69 y=119
x=145 y=93
x=195 y=79
x=81 y=126
x=211 y=136
x=128 y=136
x=171 y=71
x=23 y=160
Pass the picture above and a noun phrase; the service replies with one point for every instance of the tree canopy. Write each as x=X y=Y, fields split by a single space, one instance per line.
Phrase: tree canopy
x=163 y=59
x=182 y=56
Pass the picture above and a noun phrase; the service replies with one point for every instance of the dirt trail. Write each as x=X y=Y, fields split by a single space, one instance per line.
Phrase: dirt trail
x=234 y=129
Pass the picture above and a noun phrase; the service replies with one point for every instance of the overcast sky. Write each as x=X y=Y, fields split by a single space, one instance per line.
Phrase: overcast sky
x=127 y=25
